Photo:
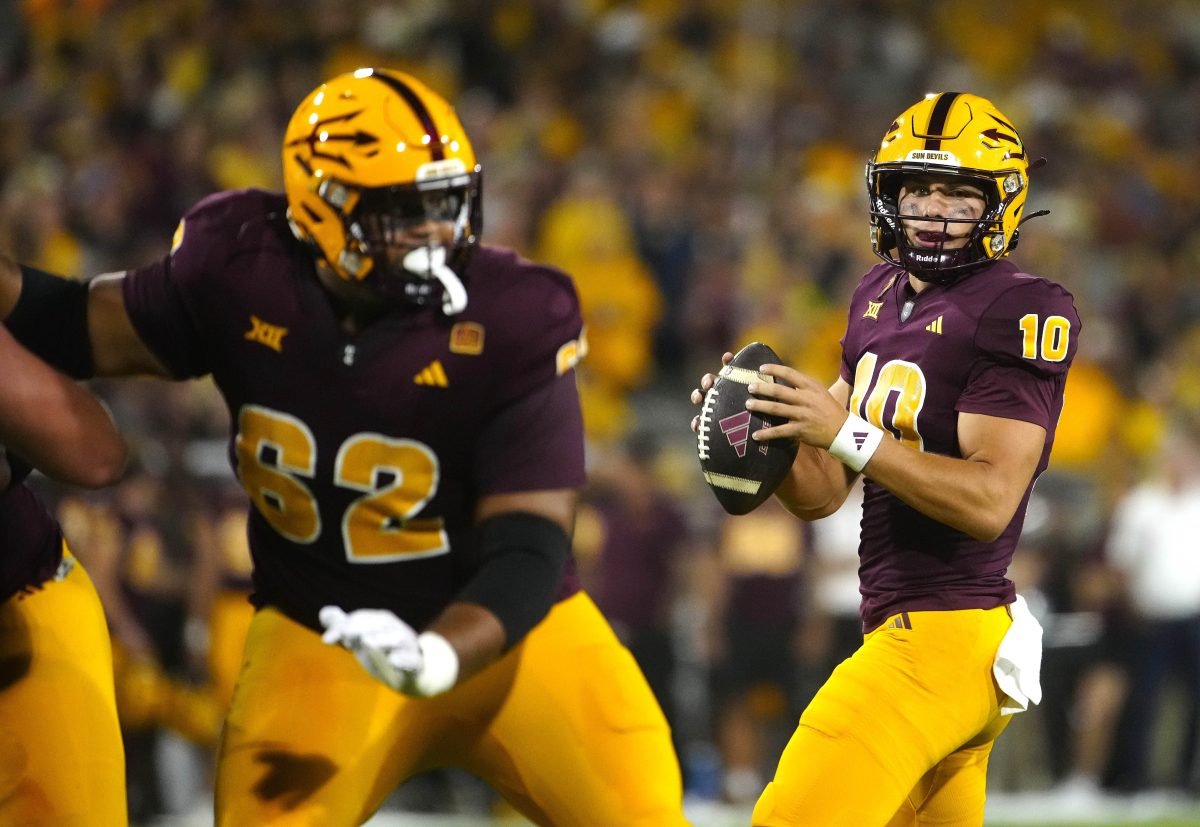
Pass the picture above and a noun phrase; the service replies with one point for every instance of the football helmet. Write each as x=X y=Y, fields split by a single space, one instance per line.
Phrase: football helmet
x=369 y=155
x=959 y=135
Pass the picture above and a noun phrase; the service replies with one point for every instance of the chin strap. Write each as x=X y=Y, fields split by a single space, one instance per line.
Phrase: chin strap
x=430 y=263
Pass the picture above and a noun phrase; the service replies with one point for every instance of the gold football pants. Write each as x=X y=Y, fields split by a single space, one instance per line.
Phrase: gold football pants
x=901 y=732
x=62 y=762
x=563 y=726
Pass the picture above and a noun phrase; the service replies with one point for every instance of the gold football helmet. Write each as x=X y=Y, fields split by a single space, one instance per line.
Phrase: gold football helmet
x=368 y=154
x=961 y=135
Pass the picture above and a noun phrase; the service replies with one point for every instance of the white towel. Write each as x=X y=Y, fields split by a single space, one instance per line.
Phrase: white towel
x=1018 y=664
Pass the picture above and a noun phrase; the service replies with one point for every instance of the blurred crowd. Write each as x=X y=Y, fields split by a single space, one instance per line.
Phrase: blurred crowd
x=697 y=167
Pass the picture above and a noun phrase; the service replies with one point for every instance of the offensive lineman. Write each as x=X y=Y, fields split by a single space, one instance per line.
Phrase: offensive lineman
x=406 y=423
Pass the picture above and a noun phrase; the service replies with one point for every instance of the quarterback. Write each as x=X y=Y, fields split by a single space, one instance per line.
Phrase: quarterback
x=951 y=384
x=406 y=424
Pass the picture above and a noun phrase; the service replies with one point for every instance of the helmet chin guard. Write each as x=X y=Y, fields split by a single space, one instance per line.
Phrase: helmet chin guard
x=430 y=263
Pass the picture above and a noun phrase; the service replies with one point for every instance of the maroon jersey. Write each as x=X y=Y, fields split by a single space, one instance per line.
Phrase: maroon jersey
x=999 y=343
x=365 y=455
x=30 y=541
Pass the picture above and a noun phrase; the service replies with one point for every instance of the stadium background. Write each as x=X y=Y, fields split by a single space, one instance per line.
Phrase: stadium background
x=697 y=167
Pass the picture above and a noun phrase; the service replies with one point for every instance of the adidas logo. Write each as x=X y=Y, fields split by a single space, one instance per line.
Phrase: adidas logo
x=935 y=326
x=433 y=375
x=737 y=430
x=860 y=438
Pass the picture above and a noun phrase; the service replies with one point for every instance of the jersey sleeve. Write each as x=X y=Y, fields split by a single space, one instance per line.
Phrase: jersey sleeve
x=1026 y=342
x=161 y=298
x=533 y=439
x=544 y=334
x=535 y=443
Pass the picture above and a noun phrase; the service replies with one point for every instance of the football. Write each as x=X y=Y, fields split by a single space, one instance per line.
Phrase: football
x=741 y=472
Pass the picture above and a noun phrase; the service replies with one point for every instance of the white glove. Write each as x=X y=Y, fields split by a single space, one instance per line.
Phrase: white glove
x=391 y=651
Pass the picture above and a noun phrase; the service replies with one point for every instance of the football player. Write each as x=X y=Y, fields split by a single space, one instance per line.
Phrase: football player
x=952 y=376
x=61 y=757
x=406 y=424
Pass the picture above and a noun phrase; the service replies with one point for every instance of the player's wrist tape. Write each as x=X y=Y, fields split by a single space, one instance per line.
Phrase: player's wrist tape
x=50 y=319
x=856 y=442
x=439 y=665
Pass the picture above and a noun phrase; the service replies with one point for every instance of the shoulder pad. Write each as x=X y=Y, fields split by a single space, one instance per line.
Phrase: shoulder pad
x=1032 y=324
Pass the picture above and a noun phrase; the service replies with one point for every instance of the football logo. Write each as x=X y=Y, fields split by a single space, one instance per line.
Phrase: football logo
x=737 y=430
x=741 y=479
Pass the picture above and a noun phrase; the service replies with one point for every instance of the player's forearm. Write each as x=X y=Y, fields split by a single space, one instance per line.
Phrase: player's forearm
x=816 y=486
x=969 y=495
x=55 y=424
x=76 y=441
x=476 y=635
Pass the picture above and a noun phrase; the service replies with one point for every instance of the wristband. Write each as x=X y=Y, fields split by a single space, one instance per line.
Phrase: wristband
x=856 y=442
x=439 y=665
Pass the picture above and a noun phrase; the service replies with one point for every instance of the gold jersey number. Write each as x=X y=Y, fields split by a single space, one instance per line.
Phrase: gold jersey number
x=903 y=379
x=397 y=477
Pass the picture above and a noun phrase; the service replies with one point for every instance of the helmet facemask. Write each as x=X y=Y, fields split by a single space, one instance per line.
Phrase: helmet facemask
x=938 y=264
x=384 y=226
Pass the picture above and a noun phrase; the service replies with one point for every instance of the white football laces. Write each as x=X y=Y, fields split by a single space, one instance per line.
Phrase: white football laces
x=705 y=424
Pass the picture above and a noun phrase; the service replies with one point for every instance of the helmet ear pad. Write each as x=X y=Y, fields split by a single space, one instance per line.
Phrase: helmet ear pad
x=889 y=222
x=887 y=211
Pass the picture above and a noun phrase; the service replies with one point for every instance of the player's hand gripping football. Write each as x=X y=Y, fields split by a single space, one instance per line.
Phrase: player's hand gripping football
x=384 y=644
x=813 y=415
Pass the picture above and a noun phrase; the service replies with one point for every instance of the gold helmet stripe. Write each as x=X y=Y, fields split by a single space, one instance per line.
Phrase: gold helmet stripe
x=937 y=119
x=418 y=107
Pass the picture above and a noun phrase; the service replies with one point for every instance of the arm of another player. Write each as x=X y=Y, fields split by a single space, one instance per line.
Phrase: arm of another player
x=476 y=631
x=83 y=317
x=977 y=494
x=53 y=423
